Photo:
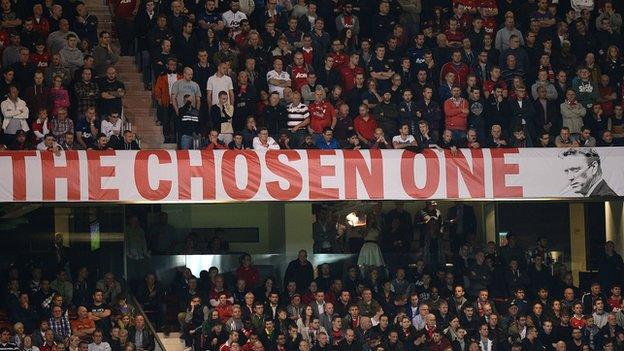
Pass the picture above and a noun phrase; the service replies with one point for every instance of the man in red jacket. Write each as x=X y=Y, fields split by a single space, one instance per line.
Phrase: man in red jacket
x=456 y=112
x=456 y=66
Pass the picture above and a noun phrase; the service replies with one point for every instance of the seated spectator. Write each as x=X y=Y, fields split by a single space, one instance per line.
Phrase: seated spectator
x=213 y=141
x=70 y=142
x=49 y=144
x=263 y=141
x=112 y=128
x=564 y=138
x=88 y=129
x=83 y=326
x=519 y=138
x=20 y=142
x=471 y=140
x=308 y=142
x=326 y=140
x=59 y=324
x=379 y=140
x=98 y=343
x=585 y=139
x=545 y=140
x=425 y=137
x=496 y=138
x=71 y=56
x=404 y=139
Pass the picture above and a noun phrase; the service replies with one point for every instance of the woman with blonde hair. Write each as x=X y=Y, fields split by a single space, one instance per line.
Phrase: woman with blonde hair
x=18 y=338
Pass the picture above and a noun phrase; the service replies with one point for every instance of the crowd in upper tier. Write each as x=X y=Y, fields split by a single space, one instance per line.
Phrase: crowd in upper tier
x=329 y=74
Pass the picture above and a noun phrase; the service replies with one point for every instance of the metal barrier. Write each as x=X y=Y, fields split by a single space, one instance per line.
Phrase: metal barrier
x=158 y=343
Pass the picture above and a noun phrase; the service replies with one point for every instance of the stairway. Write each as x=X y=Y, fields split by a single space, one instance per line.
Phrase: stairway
x=172 y=342
x=138 y=107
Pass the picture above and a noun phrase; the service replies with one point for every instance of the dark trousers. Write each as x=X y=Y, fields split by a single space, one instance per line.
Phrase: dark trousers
x=125 y=33
x=167 y=118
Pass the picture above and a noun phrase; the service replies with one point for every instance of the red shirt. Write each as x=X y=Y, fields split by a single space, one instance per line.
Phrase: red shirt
x=225 y=312
x=577 y=322
x=41 y=26
x=41 y=61
x=490 y=86
x=348 y=76
x=250 y=275
x=366 y=128
x=489 y=23
x=213 y=294
x=299 y=75
x=124 y=8
x=615 y=302
x=321 y=115
x=340 y=60
x=461 y=72
x=4 y=38
x=308 y=56
x=456 y=36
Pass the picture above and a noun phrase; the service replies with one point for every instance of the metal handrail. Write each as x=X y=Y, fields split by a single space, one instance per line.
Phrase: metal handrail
x=148 y=323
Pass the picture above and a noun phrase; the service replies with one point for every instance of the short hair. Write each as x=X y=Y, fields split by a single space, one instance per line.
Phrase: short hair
x=590 y=154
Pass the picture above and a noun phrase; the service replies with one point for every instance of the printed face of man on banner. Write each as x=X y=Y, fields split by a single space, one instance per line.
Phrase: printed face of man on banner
x=584 y=173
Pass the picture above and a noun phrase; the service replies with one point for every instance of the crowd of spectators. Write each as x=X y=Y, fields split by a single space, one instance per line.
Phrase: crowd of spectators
x=53 y=313
x=482 y=297
x=337 y=75
x=384 y=74
x=59 y=89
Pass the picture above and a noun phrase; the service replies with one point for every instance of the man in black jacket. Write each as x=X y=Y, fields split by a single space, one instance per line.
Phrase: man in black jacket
x=547 y=116
x=463 y=224
x=127 y=142
x=140 y=336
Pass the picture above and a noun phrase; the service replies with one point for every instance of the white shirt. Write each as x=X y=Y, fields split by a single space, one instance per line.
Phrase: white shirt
x=271 y=144
x=216 y=84
x=12 y=110
x=281 y=76
x=103 y=346
x=407 y=141
x=171 y=79
x=232 y=20
x=109 y=128
x=42 y=147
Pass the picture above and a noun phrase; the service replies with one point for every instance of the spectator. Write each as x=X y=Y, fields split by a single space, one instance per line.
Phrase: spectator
x=86 y=91
x=326 y=140
x=162 y=93
x=15 y=114
x=71 y=56
x=456 y=111
x=112 y=91
x=263 y=141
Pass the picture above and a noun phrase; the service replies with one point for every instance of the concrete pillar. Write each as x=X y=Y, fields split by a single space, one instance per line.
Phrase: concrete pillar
x=489 y=221
x=62 y=222
x=614 y=223
x=578 y=247
x=298 y=219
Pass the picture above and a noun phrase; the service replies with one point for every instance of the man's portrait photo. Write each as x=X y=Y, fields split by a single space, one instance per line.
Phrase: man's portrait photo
x=584 y=173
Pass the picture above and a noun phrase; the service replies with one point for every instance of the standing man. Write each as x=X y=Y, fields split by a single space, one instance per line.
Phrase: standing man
x=220 y=81
x=104 y=55
x=124 y=12
x=185 y=86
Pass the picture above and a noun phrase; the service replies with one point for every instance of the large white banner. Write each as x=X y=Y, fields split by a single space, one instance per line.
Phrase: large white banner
x=310 y=175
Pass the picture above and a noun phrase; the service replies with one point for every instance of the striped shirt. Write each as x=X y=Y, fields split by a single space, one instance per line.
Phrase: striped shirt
x=297 y=114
